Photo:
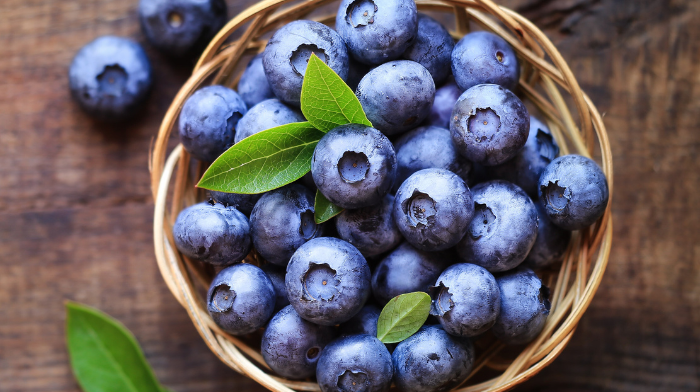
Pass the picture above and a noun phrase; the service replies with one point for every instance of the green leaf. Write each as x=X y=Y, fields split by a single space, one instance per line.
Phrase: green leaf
x=326 y=100
x=264 y=161
x=104 y=355
x=324 y=209
x=403 y=316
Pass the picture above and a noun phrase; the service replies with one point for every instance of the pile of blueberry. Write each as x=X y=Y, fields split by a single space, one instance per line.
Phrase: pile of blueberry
x=455 y=191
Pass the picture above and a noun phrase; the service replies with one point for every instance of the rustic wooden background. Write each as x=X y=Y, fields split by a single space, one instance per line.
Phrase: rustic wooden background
x=76 y=210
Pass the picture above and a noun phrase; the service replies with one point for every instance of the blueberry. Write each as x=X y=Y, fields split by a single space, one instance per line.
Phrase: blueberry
x=357 y=363
x=482 y=57
x=428 y=147
x=282 y=221
x=397 y=96
x=432 y=48
x=212 y=234
x=524 y=306
x=466 y=300
x=181 y=27
x=308 y=181
x=328 y=281
x=433 y=208
x=265 y=115
x=241 y=299
x=503 y=229
x=276 y=275
x=432 y=361
x=406 y=270
x=110 y=78
x=208 y=121
x=551 y=242
x=354 y=166
x=291 y=346
x=288 y=52
x=525 y=168
x=370 y=229
x=242 y=202
x=574 y=192
x=445 y=99
x=377 y=31
x=364 y=322
x=489 y=124
x=253 y=86
x=356 y=72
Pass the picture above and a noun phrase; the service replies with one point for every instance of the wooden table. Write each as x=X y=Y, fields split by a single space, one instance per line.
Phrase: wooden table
x=76 y=209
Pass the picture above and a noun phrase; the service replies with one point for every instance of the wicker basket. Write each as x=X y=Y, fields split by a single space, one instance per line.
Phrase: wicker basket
x=546 y=81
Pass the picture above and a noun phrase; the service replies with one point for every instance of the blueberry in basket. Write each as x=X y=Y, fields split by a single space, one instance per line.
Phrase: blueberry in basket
x=212 y=233
x=291 y=346
x=253 y=86
x=377 y=31
x=356 y=363
x=406 y=270
x=241 y=299
x=282 y=221
x=428 y=147
x=288 y=52
x=354 y=166
x=110 y=78
x=240 y=201
x=550 y=244
x=397 y=96
x=328 y=281
x=433 y=208
x=489 y=124
x=432 y=48
x=484 y=58
x=432 y=360
x=524 y=306
x=445 y=98
x=466 y=300
x=267 y=114
x=371 y=230
x=525 y=168
x=504 y=227
x=208 y=121
x=574 y=191
x=364 y=322
x=276 y=275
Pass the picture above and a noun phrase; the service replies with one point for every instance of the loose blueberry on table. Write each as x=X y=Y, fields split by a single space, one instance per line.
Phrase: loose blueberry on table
x=181 y=28
x=110 y=78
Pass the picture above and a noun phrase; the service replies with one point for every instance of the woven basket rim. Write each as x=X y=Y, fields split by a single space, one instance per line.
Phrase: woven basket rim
x=545 y=75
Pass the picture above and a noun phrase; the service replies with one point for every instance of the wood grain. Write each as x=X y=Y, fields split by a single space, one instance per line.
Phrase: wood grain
x=75 y=207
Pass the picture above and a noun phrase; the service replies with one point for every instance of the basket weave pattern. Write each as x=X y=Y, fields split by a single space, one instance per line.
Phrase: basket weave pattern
x=545 y=80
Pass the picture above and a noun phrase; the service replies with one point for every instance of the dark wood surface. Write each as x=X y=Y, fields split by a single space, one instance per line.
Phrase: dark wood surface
x=75 y=206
